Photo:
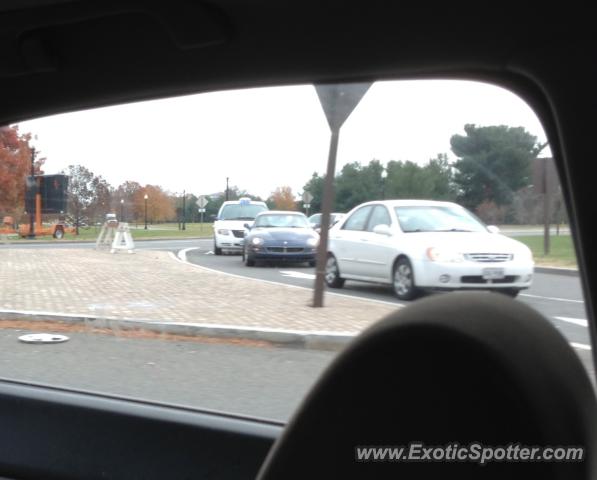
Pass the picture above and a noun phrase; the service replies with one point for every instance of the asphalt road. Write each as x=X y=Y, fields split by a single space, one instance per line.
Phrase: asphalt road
x=264 y=382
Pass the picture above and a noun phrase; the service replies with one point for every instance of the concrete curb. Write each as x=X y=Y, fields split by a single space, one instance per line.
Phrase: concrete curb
x=283 y=338
x=569 y=272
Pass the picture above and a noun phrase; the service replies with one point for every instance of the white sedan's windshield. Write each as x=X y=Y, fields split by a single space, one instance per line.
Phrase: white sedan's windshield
x=287 y=221
x=437 y=219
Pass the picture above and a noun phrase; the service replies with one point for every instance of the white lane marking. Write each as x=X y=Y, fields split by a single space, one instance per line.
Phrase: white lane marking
x=209 y=253
x=576 y=321
x=307 y=276
x=290 y=273
x=581 y=346
x=551 y=298
x=182 y=257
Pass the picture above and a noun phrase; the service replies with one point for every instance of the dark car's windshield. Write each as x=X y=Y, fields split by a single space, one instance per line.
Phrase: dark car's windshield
x=241 y=212
x=281 y=220
x=437 y=219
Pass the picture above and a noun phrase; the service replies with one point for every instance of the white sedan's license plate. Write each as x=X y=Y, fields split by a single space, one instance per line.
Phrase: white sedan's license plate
x=493 y=273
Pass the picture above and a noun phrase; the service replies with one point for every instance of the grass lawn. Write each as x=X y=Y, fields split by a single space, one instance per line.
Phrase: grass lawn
x=561 y=252
x=168 y=230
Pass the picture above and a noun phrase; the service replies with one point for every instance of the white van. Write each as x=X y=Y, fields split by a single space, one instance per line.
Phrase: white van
x=229 y=227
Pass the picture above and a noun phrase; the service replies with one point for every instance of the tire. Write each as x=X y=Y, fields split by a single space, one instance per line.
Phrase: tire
x=217 y=251
x=403 y=280
x=59 y=233
x=332 y=273
x=249 y=262
x=510 y=292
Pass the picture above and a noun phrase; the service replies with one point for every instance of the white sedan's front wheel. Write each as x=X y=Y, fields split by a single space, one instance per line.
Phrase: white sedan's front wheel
x=403 y=280
x=332 y=273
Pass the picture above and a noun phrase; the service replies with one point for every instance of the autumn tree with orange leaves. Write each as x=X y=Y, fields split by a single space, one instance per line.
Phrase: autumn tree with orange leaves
x=160 y=205
x=15 y=166
x=283 y=199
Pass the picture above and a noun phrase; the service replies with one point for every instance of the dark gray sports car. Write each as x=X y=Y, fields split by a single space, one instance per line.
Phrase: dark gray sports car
x=277 y=235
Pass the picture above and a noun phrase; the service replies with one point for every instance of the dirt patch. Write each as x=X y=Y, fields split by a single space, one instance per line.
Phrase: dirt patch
x=140 y=334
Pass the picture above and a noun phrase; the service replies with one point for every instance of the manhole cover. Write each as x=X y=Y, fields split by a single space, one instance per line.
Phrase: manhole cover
x=43 y=338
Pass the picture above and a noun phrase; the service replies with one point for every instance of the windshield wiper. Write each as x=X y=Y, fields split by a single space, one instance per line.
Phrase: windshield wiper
x=454 y=230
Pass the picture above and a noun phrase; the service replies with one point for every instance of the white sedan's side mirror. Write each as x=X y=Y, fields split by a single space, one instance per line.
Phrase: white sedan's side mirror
x=382 y=229
x=493 y=229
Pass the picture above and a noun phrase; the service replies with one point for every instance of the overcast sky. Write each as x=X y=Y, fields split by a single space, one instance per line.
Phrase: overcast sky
x=269 y=137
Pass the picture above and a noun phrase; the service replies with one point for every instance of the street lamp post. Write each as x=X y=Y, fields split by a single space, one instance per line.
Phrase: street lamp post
x=227 y=189
x=184 y=207
x=122 y=209
x=384 y=175
x=145 y=197
x=32 y=204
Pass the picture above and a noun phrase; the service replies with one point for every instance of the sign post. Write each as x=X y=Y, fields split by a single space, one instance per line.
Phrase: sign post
x=545 y=183
x=202 y=201
x=307 y=198
x=338 y=101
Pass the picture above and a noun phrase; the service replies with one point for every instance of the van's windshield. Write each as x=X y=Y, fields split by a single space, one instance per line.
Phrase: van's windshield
x=241 y=212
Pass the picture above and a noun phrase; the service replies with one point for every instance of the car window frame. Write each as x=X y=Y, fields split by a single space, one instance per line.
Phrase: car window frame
x=382 y=206
x=364 y=229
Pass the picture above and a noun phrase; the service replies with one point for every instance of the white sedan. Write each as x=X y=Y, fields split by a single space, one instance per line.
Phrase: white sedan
x=417 y=245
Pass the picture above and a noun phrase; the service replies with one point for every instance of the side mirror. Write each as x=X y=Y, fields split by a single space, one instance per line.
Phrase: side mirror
x=382 y=229
x=493 y=229
x=247 y=226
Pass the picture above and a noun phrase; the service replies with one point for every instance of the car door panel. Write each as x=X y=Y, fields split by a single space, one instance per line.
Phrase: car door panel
x=53 y=433
x=378 y=250
x=348 y=245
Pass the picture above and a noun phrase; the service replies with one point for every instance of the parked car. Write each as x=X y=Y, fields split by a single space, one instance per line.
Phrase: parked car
x=229 y=227
x=111 y=219
x=419 y=244
x=278 y=235
x=315 y=220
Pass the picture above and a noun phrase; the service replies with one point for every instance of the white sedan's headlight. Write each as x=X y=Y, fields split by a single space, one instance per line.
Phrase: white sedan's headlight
x=436 y=254
x=223 y=231
x=313 y=241
x=525 y=254
x=257 y=241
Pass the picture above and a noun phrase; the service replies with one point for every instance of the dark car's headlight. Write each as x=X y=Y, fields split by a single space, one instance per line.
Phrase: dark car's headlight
x=313 y=241
x=257 y=241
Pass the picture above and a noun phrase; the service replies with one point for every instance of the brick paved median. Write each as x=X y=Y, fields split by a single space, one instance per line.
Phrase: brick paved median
x=151 y=285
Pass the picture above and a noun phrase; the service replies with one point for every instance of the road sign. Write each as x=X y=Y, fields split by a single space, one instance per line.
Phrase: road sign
x=202 y=201
x=339 y=100
x=306 y=205
x=202 y=210
x=307 y=197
